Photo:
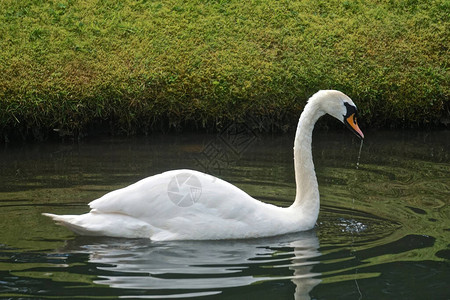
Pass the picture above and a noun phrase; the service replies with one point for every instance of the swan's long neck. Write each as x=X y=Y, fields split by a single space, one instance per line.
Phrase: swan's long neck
x=307 y=194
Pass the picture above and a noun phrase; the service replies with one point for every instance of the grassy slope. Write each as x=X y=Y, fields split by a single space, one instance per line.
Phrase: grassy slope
x=138 y=64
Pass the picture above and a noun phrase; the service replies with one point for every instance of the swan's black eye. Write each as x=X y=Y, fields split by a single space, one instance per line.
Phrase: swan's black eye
x=350 y=110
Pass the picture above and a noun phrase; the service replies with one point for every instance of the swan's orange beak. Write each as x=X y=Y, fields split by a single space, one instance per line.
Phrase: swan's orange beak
x=353 y=125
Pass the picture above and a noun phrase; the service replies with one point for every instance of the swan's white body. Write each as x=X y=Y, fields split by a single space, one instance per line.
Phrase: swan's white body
x=190 y=205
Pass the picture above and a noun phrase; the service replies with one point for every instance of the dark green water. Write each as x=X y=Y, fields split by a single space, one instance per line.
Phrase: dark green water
x=383 y=230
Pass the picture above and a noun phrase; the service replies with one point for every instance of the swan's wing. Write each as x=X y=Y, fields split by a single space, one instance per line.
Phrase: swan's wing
x=186 y=204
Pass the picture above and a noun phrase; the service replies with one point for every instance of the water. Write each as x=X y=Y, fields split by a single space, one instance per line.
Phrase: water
x=383 y=230
x=359 y=153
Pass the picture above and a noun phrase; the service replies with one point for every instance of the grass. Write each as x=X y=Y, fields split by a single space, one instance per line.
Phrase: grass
x=136 y=66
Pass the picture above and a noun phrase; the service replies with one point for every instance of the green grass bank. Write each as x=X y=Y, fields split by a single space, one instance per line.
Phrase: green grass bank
x=131 y=66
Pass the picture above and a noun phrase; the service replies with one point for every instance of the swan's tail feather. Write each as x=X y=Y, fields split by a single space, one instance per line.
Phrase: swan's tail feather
x=68 y=221
x=111 y=224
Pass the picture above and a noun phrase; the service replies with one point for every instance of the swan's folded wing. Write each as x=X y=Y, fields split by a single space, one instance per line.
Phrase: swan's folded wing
x=183 y=201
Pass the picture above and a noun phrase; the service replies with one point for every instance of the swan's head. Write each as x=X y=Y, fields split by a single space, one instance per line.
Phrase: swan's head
x=340 y=106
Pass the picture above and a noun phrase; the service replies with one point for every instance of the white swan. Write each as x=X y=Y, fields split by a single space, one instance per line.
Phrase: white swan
x=190 y=205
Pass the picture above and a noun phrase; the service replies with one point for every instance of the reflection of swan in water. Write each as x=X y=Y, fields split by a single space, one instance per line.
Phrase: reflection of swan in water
x=199 y=268
x=302 y=264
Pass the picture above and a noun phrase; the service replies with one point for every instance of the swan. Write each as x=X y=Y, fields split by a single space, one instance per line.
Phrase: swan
x=191 y=205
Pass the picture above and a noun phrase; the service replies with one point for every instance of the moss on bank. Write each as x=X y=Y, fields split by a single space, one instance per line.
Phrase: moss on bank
x=137 y=66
